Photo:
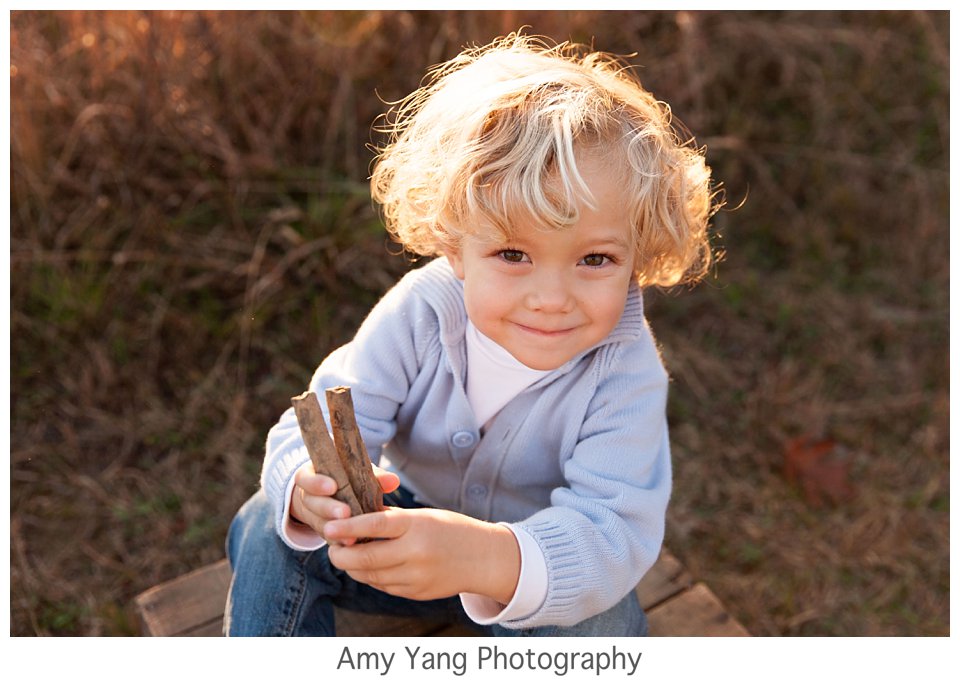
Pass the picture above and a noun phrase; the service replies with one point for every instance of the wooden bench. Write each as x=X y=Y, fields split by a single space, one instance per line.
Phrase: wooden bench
x=192 y=606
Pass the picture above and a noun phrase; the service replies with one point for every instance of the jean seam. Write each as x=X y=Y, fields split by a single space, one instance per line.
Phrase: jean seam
x=296 y=599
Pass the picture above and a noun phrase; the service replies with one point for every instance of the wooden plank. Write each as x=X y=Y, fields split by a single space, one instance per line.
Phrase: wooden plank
x=214 y=628
x=665 y=579
x=455 y=630
x=694 y=613
x=192 y=605
x=353 y=624
x=180 y=605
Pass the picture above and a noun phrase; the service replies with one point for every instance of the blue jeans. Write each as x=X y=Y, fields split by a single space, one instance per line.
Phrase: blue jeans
x=278 y=591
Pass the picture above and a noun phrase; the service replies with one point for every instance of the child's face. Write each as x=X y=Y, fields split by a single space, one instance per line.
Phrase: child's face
x=549 y=295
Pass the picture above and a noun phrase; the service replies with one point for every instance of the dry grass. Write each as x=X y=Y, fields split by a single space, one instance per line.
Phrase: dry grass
x=192 y=232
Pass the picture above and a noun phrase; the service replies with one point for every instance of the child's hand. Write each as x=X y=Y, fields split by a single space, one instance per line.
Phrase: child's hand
x=312 y=502
x=427 y=553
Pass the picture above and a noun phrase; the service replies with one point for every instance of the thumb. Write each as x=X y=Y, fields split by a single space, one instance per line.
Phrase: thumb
x=388 y=480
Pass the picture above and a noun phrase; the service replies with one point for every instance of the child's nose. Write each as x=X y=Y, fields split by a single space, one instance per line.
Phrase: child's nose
x=549 y=293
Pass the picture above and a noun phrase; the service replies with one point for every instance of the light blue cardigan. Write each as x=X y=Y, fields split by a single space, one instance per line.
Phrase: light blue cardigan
x=580 y=459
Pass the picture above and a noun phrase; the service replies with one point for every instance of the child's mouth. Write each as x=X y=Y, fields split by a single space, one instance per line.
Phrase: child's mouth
x=548 y=333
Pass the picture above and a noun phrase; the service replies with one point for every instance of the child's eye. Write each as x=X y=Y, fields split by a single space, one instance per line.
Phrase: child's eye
x=512 y=255
x=595 y=260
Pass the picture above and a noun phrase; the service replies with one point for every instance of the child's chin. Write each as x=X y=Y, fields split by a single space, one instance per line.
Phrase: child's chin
x=543 y=362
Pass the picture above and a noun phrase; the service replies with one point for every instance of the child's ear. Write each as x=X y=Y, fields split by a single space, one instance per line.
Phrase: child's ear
x=455 y=257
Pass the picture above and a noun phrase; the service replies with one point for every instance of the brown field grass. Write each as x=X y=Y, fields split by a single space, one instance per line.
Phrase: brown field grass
x=192 y=233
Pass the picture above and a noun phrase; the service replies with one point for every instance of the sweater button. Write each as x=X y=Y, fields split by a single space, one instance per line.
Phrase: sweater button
x=463 y=439
x=477 y=490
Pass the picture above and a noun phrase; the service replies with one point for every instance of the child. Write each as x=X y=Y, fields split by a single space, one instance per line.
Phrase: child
x=509 y=391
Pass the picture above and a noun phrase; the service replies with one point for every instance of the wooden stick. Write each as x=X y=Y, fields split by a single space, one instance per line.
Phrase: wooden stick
x=350 y=447
x=323 y=453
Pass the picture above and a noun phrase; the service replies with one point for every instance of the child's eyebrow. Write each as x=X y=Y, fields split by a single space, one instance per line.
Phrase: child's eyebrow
x=607 y=242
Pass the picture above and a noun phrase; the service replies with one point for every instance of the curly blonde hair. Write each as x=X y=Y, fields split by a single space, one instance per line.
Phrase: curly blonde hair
x=492 y=137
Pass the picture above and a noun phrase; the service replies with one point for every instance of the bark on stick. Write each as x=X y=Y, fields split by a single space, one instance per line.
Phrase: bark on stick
x=322 y=451
x=350 y=447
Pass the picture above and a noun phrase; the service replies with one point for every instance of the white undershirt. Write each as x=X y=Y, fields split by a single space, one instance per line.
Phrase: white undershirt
x=494 y=378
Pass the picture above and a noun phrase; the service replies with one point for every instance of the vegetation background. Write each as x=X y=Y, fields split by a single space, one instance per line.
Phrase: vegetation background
x=192 y=233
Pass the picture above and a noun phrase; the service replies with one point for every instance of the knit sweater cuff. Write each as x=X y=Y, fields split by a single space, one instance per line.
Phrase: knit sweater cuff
x=567 y=583
x=276 y=479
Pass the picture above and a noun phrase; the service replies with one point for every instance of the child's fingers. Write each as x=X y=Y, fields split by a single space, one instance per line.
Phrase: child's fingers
x=322 y=506
x=314 y=483
x=370 y=559
x=388 y=480
x=381 y=525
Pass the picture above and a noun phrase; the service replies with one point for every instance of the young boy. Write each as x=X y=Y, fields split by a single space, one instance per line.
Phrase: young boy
x=509 y=391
